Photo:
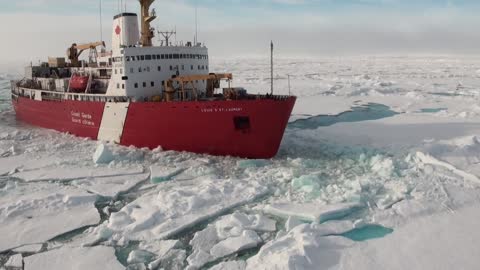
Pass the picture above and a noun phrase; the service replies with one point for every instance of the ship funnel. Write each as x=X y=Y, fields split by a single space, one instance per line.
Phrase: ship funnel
x=125 y=32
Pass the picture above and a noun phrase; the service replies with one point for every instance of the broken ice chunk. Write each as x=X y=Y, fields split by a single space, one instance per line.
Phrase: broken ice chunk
x=160 y=174
x=103 y=155
x=74 y=258
x=234 y=265
x=312 y=211
x=248 y=239
x=15 y=262
x=140 y=256
x=291 y=223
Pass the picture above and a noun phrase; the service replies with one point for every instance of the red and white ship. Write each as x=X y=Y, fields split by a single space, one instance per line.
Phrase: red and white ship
x=149 y=96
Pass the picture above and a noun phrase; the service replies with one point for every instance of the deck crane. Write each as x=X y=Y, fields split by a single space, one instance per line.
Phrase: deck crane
x=74 y=52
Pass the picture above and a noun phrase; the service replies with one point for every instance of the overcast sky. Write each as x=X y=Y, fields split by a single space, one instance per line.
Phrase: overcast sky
x=31 y=29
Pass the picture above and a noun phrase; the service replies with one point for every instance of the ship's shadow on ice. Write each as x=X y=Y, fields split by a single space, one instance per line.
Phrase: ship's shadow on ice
x=371 y=111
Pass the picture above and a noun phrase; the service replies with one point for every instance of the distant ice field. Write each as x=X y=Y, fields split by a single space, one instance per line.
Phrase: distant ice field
x=378 y=151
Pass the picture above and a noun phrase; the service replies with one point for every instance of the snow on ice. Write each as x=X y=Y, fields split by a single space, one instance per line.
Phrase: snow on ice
x=35 y=213
x=75 y=258
x=390 y=141
x=172 y=208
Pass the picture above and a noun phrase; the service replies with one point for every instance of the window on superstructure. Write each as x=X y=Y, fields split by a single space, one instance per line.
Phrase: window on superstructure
x=163 y=56
x=191 y=67
x=154 y=57
x=140 y=69
x=159 y=68
x=183 y=67
x=127 y=58
x=138 y=57
x=121 y=71
x=148 y=57
x=118 y=86
x=131 y=70
x=181 y=56
x=158 y=56
x=170 y=56
x=148 y=69
x=123 y=86
x=115 y=71
x=207 y=67
x=142 y=57
x=175 y=56
x=152 y=84
x=171 y=67
x=136 y=85
x=144 y=84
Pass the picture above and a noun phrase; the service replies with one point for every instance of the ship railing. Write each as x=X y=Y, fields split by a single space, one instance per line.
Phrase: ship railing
x=61 y=96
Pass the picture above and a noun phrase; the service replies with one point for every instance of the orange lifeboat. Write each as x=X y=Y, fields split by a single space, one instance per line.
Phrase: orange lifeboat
x=78 y=83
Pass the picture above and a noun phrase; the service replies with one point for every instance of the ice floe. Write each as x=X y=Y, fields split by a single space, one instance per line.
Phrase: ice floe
x=173 y=208
x=228 y=235
x=34 y=213
x=15 y=262
x=312 y=211
x=304 y=247
x=75 y=258
x=103 y=155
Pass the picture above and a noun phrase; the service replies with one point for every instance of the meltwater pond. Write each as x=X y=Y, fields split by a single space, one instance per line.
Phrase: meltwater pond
x=371 y=111
x=367 y=233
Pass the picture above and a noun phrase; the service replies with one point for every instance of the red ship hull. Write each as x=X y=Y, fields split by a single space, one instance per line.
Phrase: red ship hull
x=243 y=128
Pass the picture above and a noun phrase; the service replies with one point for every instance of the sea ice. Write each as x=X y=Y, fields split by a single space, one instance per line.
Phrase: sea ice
x=160 y=174
x=34 y=248
x=233 y=265
x=69 y=173
x=15 y=262
x=172 y=208
x=110 y=186
x=37 y=212
x=103 y=155
x=228 y=235
x=305 y=247
x=442 y=241
x=75 y=258
x=312 y=211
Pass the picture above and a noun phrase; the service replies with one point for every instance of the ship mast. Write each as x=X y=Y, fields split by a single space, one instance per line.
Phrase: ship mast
x=146 y=18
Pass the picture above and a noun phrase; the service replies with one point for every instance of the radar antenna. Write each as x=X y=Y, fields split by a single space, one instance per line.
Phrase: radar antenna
x=167 y=35
x=146 y=18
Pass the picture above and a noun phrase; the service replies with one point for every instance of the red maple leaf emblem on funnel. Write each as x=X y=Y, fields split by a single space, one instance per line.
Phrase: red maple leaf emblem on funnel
x=118 y=30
